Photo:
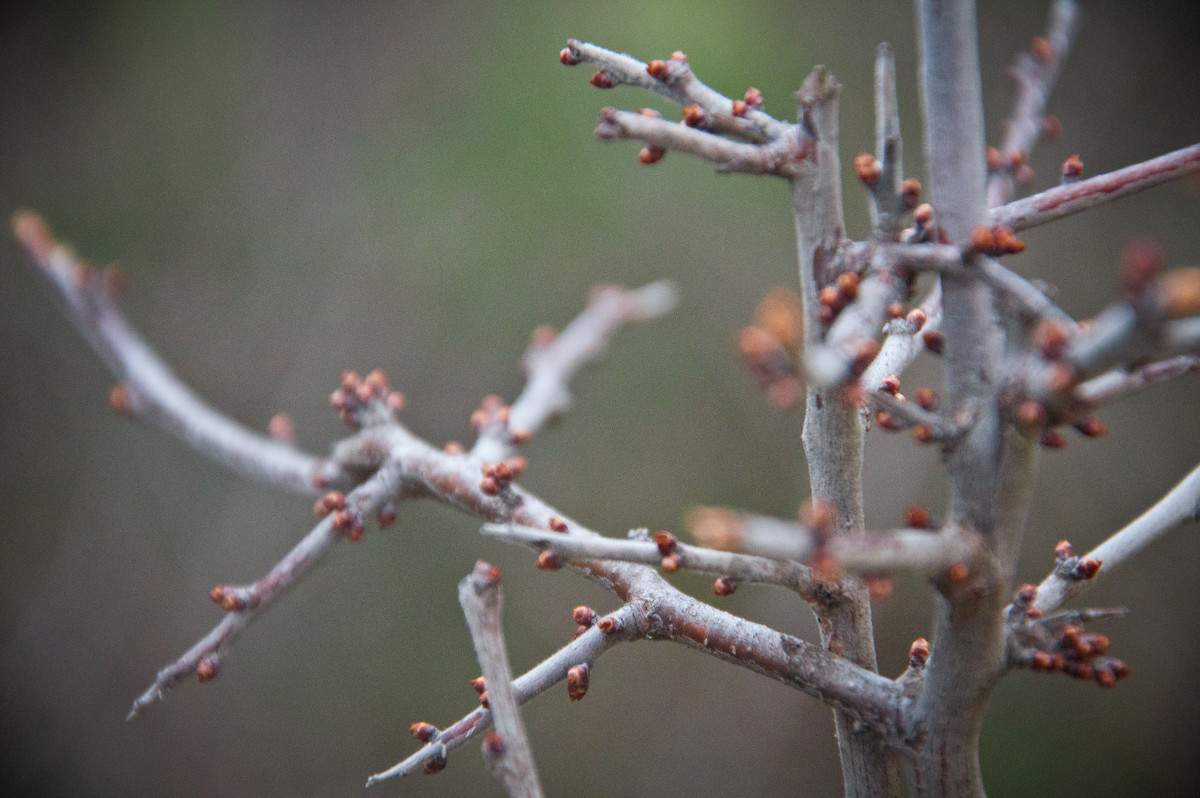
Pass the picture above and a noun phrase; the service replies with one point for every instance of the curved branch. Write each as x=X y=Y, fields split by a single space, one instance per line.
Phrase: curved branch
x=149 y=388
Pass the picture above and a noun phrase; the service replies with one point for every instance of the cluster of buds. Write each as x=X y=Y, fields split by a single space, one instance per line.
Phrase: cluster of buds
x=497 y=477
x=346 y=519
x=918 y=653
x=673 y=68
x=752 y=100
x=1052 y=342
x=1083 y=656
x=668 y=547
x=365 y=401
x=996 y=241
x=233 y=599
x=1068 y=565
x=770 y=348
x=835 y=297
x=869 y=169
x=1011 y=163
x=492 y=417
x=1174 y=295
x=928 y=400
x=208 y=668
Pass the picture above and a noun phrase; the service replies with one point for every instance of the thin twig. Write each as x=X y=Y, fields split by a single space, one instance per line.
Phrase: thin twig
x=1119 y=383
x=887 y=208
x=904 y=340
x=510 y=757
x=1071 y=198
x=149 y=389
x=583 y=649
x=743 y=567
x=680 y=86
x=551 y=366
x=247 y=603
x=917 y=550
x=725 y=155
x=1035 y=79
x=1180 y=505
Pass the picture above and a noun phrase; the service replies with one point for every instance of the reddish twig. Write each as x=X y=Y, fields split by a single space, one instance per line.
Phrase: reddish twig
x=1071 y=198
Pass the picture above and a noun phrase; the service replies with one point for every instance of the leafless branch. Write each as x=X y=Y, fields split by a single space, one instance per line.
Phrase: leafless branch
x=726 y=156
x=149 y=389
x=742 y=567
x=244 y=604
x=1071 y=198
x=550 y=365
x=904 y=340
x=1035 y=74
x=887 y=208
x=833 y=429
x=679 y=84
x=1119 y=383
x=584 y=649
x=1180 y=505
x=510 y=757
x=917 y=550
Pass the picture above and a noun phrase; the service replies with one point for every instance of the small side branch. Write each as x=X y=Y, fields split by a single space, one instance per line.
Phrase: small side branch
x=678 y=84
x=551 y=364
x=917 y=550
x=1119 y=383
x=510 y=757
x=742 y=567
x=584 y=649
x=149 y=389
x=1035 y=74
x=244 y=604
x=1071 y=198
x=1180 y=505
x=725 y=155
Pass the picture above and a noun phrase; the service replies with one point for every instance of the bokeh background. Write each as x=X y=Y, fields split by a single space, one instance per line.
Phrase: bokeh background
x=296 y=188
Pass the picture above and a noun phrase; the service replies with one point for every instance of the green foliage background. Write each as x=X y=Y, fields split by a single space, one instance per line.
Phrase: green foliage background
x=298 y=188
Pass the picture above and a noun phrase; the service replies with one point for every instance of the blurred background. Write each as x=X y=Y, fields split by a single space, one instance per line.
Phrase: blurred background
x=295 y=189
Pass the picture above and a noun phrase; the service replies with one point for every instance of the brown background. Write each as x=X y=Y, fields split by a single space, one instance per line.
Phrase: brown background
x=297 y=189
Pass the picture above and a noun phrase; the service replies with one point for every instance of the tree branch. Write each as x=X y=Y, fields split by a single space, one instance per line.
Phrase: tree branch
x=1119 y=383
x=1035 y=75
x=742 y=567
x=725 y=155
x=244 y=604
x=149 y=389
x=1180 y=505
x=510 y=757
x=1071 y=198
x=833 y=429
x=584 y=649
x=551 y=365
x=679 y=85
